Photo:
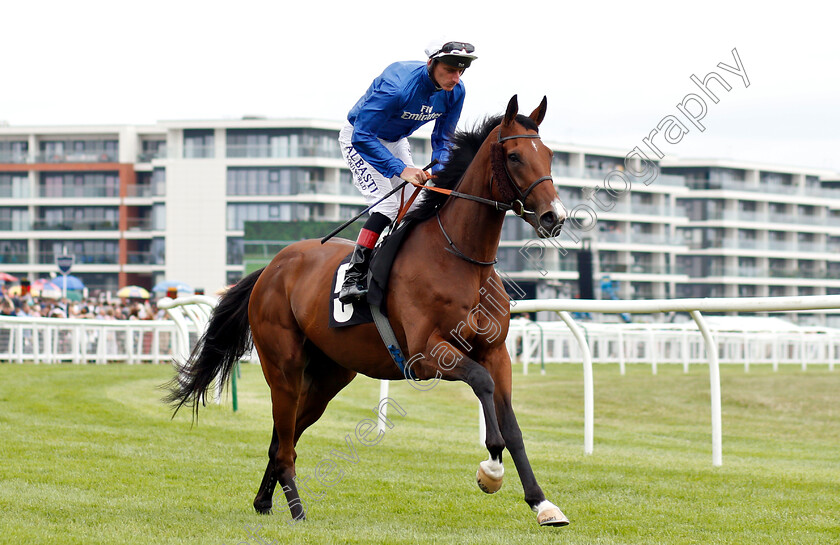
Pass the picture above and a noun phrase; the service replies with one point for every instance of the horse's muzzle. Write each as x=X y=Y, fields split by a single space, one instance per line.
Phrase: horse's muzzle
x=550 y=224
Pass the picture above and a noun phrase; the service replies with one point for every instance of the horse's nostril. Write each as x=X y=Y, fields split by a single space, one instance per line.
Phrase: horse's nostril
x=548 y=220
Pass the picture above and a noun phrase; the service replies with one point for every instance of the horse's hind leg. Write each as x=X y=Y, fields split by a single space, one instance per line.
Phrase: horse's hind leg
x=262 y=503
x=322 y=380
x=280 y=347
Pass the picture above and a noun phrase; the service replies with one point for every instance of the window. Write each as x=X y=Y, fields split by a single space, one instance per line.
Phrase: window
x=159 y=182
x=69 y=218
x=14 y=251
x=239 y=213
x=276 y=181
x=80 y=151
x=14 y=152
x=152 y=149
x=86 y=251
x=82 y=184
x=235 y=250
x=14 y=185
x=199 y=144
x=281 y=143
x=14 y=219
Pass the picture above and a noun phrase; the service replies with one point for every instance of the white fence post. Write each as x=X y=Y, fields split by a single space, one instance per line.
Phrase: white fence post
x=714 y=383
x=588 y=387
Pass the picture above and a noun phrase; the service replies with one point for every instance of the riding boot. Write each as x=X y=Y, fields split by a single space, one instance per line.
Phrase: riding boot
x=355 y=279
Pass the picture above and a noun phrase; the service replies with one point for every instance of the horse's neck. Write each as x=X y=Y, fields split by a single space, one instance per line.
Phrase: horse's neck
x=475 y=228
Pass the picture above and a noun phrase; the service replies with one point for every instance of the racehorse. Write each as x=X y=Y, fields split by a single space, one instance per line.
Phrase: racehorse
x=445 y=301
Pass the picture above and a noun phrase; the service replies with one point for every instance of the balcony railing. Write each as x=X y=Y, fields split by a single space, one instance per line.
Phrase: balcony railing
x=281 y=152
x=145 y=258
x=74 y=191
x=91 y=156
x=139 y=224
x=14 y=157
x=148 y=156
x=138 y=191
x=199 y=152
x=15 y=225
x=84 y=225
x=14 y=258
x=108 y=258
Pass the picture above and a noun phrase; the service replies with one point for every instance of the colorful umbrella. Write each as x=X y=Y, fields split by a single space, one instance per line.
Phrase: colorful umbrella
x=73 y=282
x=133 y=292
x=163 y=287
x=6 y=277
x=46 y=289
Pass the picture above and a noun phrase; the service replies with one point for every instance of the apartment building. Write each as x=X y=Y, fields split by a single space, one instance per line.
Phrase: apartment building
x=139 y=204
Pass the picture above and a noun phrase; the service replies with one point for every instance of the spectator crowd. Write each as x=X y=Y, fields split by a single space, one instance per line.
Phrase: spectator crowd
x=97 y=308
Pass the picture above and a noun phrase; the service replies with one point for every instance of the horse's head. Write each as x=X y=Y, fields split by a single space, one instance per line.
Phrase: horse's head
x=521 y=166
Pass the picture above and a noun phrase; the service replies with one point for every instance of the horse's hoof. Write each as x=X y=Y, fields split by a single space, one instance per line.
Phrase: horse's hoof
x=549 y=514
x=489 y=476
x=262 y=508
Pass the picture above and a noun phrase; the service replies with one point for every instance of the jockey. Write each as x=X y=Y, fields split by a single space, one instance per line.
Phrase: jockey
x=374 y=142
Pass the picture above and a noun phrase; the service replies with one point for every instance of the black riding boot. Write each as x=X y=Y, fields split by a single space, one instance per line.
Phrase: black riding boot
x=355 y=279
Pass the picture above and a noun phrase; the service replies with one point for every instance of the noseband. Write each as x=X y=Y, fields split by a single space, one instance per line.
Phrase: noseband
x=522 y=195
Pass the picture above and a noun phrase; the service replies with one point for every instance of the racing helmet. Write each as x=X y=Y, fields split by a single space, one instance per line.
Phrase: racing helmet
x=457 y=54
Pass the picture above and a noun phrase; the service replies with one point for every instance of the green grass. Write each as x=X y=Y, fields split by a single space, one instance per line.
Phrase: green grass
x=89 y=455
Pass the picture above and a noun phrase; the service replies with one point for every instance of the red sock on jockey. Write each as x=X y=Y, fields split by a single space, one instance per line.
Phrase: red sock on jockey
x=373 y=227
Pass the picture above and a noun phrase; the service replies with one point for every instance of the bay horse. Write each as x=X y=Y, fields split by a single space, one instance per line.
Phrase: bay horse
x=438 y=302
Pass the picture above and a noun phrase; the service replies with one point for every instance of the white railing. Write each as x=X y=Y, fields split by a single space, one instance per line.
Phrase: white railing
x=767 y=341
x=564 y=307
x=53 y=340
x=57 y=340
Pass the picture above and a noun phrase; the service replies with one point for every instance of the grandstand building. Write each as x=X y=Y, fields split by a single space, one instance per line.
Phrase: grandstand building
x=139 y=204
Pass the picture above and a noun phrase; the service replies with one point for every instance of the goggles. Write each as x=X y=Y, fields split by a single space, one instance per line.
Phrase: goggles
x=454 y=47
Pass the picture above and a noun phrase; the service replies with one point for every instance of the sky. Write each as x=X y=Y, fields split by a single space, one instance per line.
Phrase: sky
x=611 y=70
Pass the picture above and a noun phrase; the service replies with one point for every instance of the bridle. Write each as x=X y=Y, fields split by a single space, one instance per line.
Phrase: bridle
x=498 y=205
x=522 y=195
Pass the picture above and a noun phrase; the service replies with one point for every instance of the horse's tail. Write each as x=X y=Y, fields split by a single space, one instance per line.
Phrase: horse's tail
x=227 y=338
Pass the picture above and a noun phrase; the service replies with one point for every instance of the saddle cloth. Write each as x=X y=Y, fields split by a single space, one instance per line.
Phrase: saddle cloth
x=380 y=269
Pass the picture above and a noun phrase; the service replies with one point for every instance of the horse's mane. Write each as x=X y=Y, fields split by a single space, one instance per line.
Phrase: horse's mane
x=465 y=146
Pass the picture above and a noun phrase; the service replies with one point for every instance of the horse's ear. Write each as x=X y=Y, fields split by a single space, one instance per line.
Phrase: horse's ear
x=512 y=110
x=539 y=113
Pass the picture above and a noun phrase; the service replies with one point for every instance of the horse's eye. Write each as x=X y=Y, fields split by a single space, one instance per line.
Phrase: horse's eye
x=514 y=158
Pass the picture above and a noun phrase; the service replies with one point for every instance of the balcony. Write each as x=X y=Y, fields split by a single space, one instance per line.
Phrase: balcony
x=149 y=156
x=139 y=224
x=88 y=156
x=14 y=158
x=640 y=268
x=14 y=258
x=15 y=225
x=144 y=191
x=818 y=247
x=281 y=152
x=145 y=258
x=107 y=258
x=199 y=151
x=77 y=191
x=83 y=225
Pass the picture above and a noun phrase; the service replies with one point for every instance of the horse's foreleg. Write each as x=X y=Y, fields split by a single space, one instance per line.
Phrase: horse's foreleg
x=548 y=514
x=440 y=361
x=491 y=471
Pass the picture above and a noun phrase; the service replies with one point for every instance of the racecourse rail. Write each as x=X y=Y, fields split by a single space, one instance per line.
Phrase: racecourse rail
x=55 y=340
